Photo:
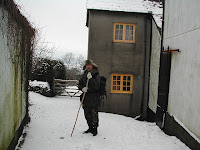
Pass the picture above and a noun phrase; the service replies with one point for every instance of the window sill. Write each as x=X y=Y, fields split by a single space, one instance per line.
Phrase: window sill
x=121 y=92
x=124 y=42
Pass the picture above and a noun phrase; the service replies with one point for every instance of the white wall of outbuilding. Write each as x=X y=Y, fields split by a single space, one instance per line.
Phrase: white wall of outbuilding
x=182 y=31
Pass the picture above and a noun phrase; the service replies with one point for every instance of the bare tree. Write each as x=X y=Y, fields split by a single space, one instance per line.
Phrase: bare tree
x=80 y=61
x=73 y=65
x=42 y=49
x=69 y=59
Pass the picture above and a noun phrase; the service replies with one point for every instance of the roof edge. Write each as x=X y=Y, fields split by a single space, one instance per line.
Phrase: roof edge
x=88 y=10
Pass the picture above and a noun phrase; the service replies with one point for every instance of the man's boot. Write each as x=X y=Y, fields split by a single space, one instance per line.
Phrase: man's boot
x=89 y=130
x=94 y=131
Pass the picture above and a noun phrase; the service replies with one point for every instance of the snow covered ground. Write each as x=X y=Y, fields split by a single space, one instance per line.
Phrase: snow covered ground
x=73 y=89
x=52 y=121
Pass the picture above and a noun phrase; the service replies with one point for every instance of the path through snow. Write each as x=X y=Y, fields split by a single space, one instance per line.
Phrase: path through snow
x=52 y=120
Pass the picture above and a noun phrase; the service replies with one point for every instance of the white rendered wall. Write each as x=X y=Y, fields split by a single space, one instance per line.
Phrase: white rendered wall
x=12 y=93
x=154 y=68
x=182 y=31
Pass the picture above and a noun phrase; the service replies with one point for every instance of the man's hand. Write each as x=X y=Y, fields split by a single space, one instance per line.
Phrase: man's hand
x=89 y=75
x=84 y=89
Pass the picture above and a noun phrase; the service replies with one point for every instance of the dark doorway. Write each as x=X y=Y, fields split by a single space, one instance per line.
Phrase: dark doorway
x=163 y=88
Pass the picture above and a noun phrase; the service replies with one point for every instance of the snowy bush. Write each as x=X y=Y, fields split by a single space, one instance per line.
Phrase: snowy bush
x=40 y=87
x=46 y=69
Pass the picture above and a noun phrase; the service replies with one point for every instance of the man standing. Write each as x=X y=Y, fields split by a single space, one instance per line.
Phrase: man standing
x=92 y=100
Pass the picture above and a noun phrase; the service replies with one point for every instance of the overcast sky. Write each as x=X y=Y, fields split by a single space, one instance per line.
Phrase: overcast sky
x=62 y=23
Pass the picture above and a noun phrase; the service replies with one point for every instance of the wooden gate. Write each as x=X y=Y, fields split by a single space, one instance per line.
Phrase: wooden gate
x=66 y=88
x=163 y=88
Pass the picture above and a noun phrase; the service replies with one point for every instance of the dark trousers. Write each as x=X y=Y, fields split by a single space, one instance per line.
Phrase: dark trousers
x=91 y=116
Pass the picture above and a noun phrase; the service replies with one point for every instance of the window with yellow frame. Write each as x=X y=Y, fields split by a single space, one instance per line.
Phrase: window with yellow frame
x=122 y=83
x=124 y=32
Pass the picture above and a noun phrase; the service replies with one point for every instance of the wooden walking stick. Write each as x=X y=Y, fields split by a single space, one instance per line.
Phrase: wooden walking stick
x=80 y=107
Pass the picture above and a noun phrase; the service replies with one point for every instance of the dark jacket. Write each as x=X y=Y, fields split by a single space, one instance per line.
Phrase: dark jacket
x=92 y=97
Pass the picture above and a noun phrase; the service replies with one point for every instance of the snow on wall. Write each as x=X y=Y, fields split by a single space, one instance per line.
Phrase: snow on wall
x=182 y=31
x=154 y=67
x=12 y=93
x=140 y=6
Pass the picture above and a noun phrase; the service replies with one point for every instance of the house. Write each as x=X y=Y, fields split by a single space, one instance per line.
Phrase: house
x=178 y=105
x=122 y=37
x=17 y=37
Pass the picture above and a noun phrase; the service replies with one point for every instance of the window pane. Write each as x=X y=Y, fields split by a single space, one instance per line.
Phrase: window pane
x=121 y=32
x=120 y=37
x=131 y=38
x=124 y=78
x=121 y=26
x=114 y=87
x=128 y=84
x=124 y=88
x=117 y=26
x=114 y=82
x=116 y=32
x=118 y=77
x=118 y=82
x=116 y=37
x=118 y=88
x=126 y=38
x=127 y=27
x=131 y=27
x=129 y=78
x=124 y=83
x=114 y=77
x=131 y=32
x=128 y=89
x=127 y=33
